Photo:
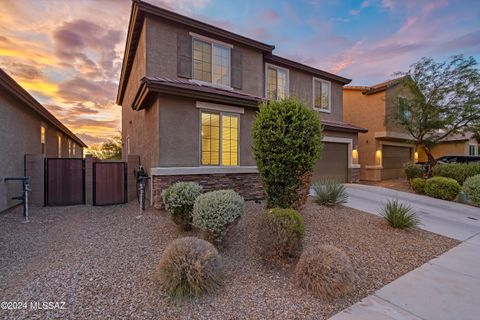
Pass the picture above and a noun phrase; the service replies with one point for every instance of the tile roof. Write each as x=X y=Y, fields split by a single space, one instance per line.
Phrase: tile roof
x=376 y=87
x=335 y=125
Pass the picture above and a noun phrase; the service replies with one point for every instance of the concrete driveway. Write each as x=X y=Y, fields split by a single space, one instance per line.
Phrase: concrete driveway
x=454 y=220
x=447 y=287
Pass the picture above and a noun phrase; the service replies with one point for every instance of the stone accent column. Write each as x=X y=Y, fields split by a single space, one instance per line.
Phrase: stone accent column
x=355 y=175
x=35 y=170
x=133 y=161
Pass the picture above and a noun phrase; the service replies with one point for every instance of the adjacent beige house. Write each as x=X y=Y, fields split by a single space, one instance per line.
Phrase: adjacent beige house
x=386 y=146
x=465 y=144
x=26 y=127
x=189 y=93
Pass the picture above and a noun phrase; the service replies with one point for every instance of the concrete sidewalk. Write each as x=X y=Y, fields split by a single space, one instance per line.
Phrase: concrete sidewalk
x=447 y=287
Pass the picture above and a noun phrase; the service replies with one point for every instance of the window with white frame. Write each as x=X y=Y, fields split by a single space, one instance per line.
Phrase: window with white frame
x=211 y=62
x=276 y=82
x=472 y=150
x=43 y=138
x=219 y=139
x=322 y=95
x=59 y=146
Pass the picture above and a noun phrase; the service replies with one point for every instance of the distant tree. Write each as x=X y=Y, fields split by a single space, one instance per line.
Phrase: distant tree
x=109 y=150
x=445 y=100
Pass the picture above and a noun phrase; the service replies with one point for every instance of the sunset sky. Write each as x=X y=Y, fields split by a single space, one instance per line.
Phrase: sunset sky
x=68 y=54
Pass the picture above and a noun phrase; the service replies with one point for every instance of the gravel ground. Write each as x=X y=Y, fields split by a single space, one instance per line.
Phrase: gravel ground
x=101 y=262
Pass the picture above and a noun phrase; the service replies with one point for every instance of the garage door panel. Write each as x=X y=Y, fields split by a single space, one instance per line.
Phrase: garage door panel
x=333 y=165
x=393 y=159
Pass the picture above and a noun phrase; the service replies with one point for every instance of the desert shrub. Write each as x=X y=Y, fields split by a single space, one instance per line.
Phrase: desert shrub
x=189 y=267
x=330 y=193
x=326 y=271
x=287 y=138
x=281 y=232
x=179 y=199
x=399 y=215
x=457 y=171
x=471 y=187
x=413 y=171
x=418 y=185
x=442 y=188
x=214 y=211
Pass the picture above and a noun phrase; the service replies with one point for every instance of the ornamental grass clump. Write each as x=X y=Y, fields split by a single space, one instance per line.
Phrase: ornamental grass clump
x=326 y=271
x=214 y=212
x=330 y=193
x=287 y=141
x=281 y=232
x=399 y=215
x=189 y=267
x=179 y=199
x=471 y=187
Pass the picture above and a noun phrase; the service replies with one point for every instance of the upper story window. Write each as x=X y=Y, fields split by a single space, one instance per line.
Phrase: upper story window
x=211 y=62
x=43 y=138
x=472 y=150
x=219 y=145
x=276 y=82
x=404 y=109
x=322 y=95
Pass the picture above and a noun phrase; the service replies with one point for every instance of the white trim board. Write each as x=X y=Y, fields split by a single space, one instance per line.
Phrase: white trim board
x=219 y=107
x=181 y=171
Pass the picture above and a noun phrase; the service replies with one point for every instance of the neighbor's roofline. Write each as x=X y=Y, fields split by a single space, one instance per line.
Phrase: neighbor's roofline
x=14 y=88
x=137 y=15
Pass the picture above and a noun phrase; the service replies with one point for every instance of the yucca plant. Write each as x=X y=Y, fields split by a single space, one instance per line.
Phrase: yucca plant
x=399 y=215
x=330 y=193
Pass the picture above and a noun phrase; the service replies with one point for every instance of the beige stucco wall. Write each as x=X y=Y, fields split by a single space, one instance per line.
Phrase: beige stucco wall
x=445 y=149
x=179 y=138
x=20 y=135
x=161 y=54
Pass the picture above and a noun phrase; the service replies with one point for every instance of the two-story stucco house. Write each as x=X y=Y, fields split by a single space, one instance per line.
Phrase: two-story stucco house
x=189 y=93
x=26 y=127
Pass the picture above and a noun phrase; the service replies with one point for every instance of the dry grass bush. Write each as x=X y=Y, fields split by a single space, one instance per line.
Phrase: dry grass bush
x=326 y=271
x=281 y=233
x=189 y=267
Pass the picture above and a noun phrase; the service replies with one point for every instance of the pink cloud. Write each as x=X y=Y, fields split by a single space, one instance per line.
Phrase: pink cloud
x=270 y=16
x=408 y=24
x=429 y=7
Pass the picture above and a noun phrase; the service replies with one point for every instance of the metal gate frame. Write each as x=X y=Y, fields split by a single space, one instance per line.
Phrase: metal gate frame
x=45 y=182
x=94 y=182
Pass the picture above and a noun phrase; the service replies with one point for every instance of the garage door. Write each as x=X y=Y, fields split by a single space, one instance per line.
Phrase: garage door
x=334 y=163
x=394 y=158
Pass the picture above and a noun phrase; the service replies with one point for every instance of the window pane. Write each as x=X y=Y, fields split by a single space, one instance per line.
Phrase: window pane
x=210 y=147
x=215 y=120
x=317 y=90
x=281 y=84
x=325 y=95
x=221 y=65
x=272 y=84
x=202 y=60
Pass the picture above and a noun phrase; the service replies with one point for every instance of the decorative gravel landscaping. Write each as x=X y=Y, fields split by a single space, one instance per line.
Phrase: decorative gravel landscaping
x=102 y=262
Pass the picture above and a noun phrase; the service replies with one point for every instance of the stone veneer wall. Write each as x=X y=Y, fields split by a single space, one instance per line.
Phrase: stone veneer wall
x=246 y=184
x=355 y=175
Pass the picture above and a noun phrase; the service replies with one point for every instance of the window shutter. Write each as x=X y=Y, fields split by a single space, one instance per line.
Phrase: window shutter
x=237 y=78
x=184 y=56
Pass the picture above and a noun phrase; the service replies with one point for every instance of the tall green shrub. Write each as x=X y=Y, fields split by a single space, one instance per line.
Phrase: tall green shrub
x=457 y=171
x=471 y=187
x=287 y=138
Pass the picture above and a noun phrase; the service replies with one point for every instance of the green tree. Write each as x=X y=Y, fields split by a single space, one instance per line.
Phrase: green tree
x=445 y=100
x=109 y=150
x=287 y=138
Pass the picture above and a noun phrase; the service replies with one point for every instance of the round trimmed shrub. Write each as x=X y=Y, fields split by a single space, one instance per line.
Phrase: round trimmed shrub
x=214 y=211
x=287 y=141
x=418 y=185
x=189 y=267
x=442 y=188
x=326 y=271
x=413 y=171
x=179 y=199
x=471 y=187
x=281 y=232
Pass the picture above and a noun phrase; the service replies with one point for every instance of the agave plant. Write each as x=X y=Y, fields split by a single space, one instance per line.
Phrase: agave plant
x=399 y=215
x=330 y=193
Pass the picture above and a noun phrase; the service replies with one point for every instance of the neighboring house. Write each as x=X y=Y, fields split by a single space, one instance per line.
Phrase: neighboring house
x=386 y=146
x=26 y=127
x=458 y=144
x=189 y=93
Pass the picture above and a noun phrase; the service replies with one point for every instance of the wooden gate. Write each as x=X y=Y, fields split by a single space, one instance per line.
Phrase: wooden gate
x=109 y=183
x=64 y=181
